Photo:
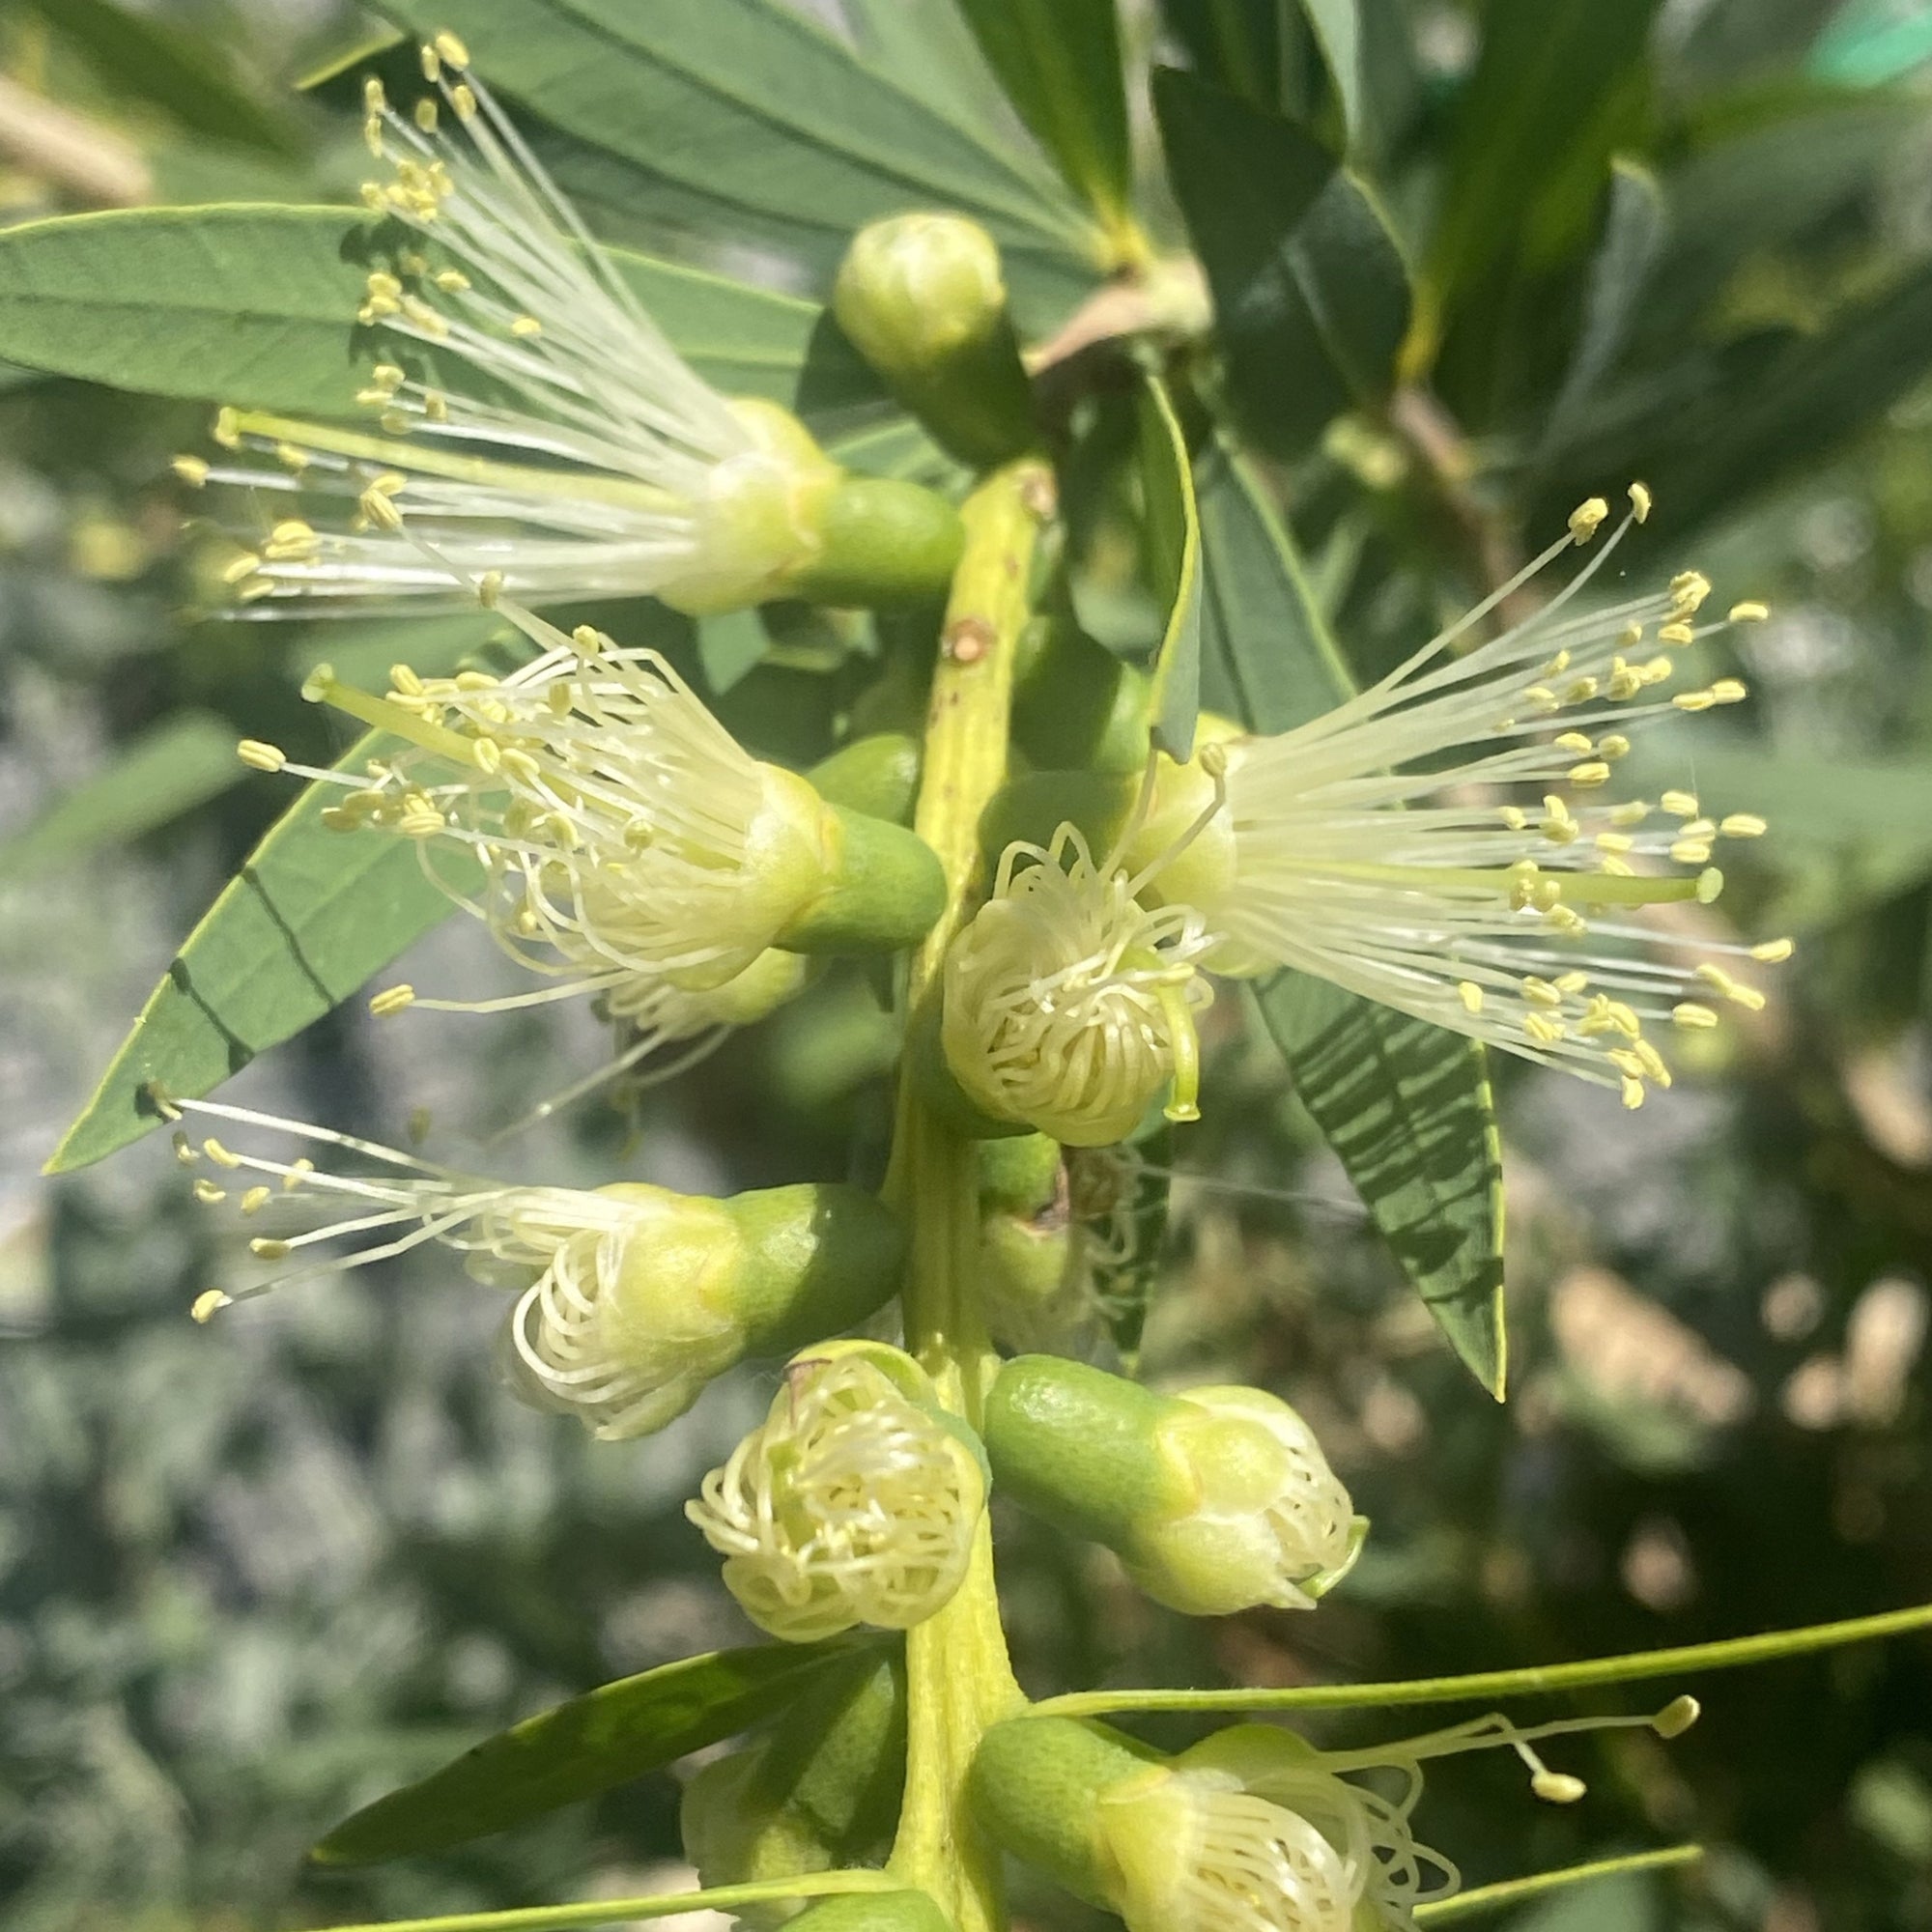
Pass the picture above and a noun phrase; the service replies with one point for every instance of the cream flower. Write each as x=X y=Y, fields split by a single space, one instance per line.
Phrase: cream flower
x=1448 y=842
x=852 y=1503
x=1068 y=1005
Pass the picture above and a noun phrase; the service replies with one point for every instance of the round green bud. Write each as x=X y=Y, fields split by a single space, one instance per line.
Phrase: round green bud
x=1022 y=1176
x=853 y=1419
x=1035 y=1281
x=1216 y=1501
x=646 y=1294
x=877 y=774
x=906 y=1911
x=924 y=299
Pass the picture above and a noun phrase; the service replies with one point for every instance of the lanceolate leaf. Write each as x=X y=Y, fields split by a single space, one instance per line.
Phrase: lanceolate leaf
x=750 y=117
x=312 y=914
x=255 y=305
x=1311 y=292
x=1059 y=60
x=1406 y=1105
x=579 y=1748
x=1174 y=559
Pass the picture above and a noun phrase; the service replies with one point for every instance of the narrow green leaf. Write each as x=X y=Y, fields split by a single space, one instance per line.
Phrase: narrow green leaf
x=1519 y=1891
x=1338 y=32
x=311 y=914
x=1635 y=227
x=1060 y=62
x=605 y=1738
x=1406 y=1106
x=1268 y=656
x=926 y=47
x=745 y=116
x=1174 y=558
x=1310 y=288
x=166 y=771
x=146 y=59
x=1534 y=129
x=256 y=305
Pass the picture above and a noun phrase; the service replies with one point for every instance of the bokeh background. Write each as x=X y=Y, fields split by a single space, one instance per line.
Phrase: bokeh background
x=253 y=1575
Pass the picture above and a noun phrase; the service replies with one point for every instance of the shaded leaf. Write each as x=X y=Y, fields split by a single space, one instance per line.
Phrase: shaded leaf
x=1408 y=1108
x=745 y=116
x=311 y=914
x=1172 y=527
x=255 y=305
x=1338 y=32
x=1406 y=1105
x=1059 y=63
x=166 y=771
x=605 y=1738
x=1311 y=292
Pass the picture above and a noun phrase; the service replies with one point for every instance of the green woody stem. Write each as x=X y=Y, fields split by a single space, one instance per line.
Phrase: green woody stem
x=958 y=1680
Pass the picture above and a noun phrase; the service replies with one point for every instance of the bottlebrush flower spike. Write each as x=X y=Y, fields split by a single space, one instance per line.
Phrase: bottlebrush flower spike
x=532 y=421
x=854 y=1502
x=1369 y=847
x=631 y=1298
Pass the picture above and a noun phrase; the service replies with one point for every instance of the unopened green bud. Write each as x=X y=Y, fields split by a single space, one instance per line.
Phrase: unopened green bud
x=647 y=1294
x=1075 y=704
x=1034 y=1282
x=821 y=1789
x=881 y=544
x=873 y=1912
x=924 y=299
x=856 y=1501
x=1216 y=1501
x=880 y=888
x=877 y=774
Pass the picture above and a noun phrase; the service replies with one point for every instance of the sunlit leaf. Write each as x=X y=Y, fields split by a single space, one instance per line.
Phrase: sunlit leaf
x=577 y=1749
x=1174 y=562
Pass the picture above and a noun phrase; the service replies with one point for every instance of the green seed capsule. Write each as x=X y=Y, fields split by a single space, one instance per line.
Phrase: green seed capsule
x=1216 y=1500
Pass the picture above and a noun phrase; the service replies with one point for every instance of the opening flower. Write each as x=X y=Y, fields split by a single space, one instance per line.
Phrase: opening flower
x=1448 y=842
x=532 y=421
x=854 y=1502
x=633 y=1298
x=1069 y=1006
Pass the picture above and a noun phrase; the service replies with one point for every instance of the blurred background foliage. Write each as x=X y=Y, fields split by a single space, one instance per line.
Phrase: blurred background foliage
x=251 y=1578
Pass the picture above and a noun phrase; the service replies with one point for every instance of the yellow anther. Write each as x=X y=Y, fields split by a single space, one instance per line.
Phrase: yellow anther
x=519 y=765
x=299 y=1167
x=1677 y=633
x=374 y=99
x=396 y=422
x=1581 y=692
x=267 y=1249
x=1694 y=1016
x=1688 y=590
x=1632 y=634
x=418 y=312
x=1624 y=1018
x=1541 y=1029
x=1653 y=1065
x=1710 y=885
x=209 y=1193
x=1631 y=1091
x=1729 y=690
x=1613 y=746
x=1656 y=671
x=1595 y=773
x=1566 y=919
x=219 y=1154
x=1573 y=741
x=451 y=281
x=1641 y=502
x=1739 y=994
x=476 y=680
x=1626 y=1059
x=1626 y=680
x=191 y=469
x=376 y=506
x=1632 y=811
x=436 y=406
x=526 y=328
x=1750 y=612
x=1587 y=519
x=261 y=755
x=489 y=588
x=1513 y=815
x=1539 y=992
x=203 y=1306
x=1471 y=996
x=1614 y=868
x=384 y=286
x=431 y=63
x=1557 y=665
x=451 y=48
x=1542 y=699
x=463 y=99
x=1572 y=983
x=1772 y=952
x=244 y=565
x=587 y=639
x=1613 y=842
x=392 y=1000
x=1694 y=700
x=489 y=756
x=292 y=459
x=405 y=681
x=372 y=135
x=424 y=114
x=1680 y=804
x=256 y=1198
x=1690 y=852
x=184 y=1148
x=1698 y=828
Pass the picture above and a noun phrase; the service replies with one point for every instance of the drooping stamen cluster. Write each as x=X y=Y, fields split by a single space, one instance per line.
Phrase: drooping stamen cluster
x=1368 y=847
x=852 y=1503
x=612 y=835
x=534 y=424
x=1070 y=1005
